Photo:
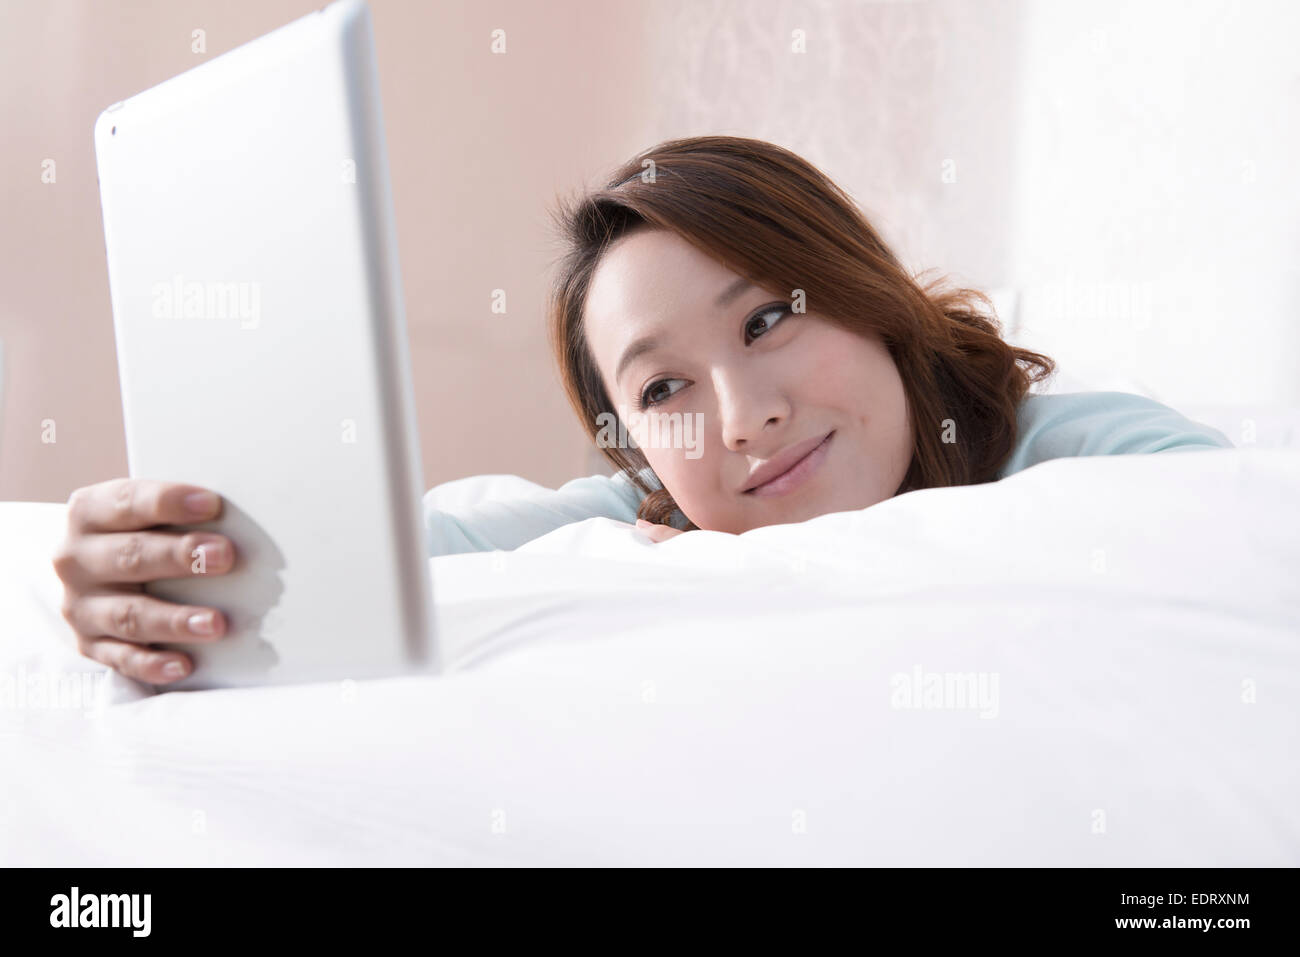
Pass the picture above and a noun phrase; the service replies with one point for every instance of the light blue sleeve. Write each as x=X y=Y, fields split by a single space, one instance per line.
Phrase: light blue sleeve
x=1072 y=424
x=509 y=523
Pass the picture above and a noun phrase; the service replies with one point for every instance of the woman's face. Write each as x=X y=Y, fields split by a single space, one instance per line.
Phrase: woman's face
x=742 y=389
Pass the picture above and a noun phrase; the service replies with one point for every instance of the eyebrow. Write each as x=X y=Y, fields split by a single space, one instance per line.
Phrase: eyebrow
x=639 y=347
x=732 y=291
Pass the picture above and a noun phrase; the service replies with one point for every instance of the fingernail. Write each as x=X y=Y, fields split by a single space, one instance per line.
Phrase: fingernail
x=173 y=669
x=201 y=624
x=214 y=553
x=199 y=504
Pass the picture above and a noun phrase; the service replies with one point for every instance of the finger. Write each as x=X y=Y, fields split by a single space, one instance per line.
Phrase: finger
x=648 y=529
x=143 y=619
x=133 y=661
x=121 y=557
x=127 y=504
x=656 y=533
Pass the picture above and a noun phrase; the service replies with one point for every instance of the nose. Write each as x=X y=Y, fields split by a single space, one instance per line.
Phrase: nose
x=750 y=405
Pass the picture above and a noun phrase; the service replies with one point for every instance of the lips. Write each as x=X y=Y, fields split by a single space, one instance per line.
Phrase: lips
x=781 y=463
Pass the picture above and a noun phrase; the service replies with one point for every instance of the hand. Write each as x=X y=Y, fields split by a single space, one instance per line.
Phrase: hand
x=656 y=533
x=111 y=551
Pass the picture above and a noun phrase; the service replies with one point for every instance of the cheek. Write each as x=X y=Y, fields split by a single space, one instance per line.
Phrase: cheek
x=693 y=483
x=862 y=378
x=680 y=475
x=833 y=367
x=863 y=383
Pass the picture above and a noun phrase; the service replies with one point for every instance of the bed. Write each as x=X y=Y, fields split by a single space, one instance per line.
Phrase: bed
x=1093 y=662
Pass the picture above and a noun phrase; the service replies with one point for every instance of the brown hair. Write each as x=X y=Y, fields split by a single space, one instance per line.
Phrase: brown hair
x=772 y=217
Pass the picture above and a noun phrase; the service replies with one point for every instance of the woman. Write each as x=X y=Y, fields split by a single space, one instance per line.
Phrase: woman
x=783 y=324
x=743 y=348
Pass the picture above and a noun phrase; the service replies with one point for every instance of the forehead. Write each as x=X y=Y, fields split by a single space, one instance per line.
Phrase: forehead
x=649 y=281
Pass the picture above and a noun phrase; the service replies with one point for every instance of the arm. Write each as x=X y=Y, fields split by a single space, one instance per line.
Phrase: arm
x=1073 y=424
x=509 y=523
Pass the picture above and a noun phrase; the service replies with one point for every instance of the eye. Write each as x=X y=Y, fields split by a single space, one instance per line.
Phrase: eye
x=654 y=393
x=761 y=322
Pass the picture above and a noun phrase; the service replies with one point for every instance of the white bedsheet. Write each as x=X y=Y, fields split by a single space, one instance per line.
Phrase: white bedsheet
x=723 y=699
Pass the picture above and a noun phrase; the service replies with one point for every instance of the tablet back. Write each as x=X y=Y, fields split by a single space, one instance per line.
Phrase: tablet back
x=261 y=345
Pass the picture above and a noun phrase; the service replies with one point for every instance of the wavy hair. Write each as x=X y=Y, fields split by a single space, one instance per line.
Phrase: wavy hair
x=772 y=217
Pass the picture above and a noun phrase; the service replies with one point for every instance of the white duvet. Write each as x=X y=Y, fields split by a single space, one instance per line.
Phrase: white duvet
x=1093 y=662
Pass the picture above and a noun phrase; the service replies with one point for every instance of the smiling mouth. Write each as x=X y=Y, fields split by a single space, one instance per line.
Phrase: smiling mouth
x=796 y=474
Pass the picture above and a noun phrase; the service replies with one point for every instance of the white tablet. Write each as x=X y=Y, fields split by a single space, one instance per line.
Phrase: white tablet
x=262 y=351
